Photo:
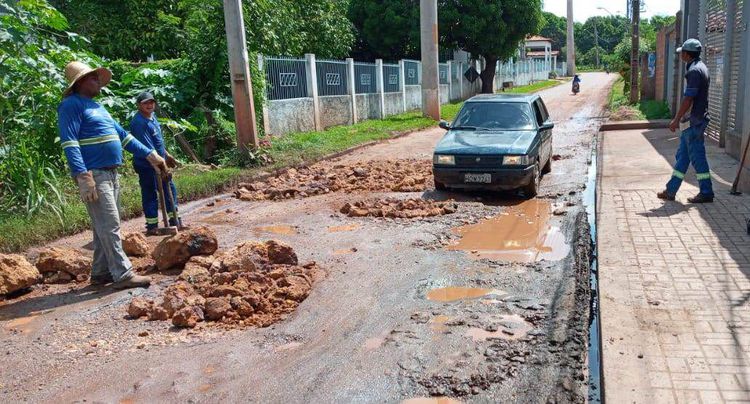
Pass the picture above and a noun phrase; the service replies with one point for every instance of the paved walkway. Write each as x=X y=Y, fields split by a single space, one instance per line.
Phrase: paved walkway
x=674 y=278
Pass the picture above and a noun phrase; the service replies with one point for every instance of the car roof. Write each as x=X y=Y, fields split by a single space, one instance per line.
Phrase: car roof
x=519 y=98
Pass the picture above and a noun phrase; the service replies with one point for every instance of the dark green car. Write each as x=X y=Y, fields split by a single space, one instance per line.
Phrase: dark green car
x=497 y=142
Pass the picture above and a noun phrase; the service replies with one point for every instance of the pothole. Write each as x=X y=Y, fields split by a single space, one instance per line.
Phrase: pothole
x=282 y=230
x=521 y=234
x=457 y=293
x=511 y=327
x=399 y=208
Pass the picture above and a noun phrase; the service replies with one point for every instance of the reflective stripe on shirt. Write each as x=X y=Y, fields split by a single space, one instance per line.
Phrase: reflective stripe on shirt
x=99 y=139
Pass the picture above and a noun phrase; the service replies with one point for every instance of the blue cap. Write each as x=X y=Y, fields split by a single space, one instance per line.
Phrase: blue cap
x=144 y=96
x=691 y=45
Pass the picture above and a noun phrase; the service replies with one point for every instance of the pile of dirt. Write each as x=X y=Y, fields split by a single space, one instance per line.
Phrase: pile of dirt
x=63 y=265
x=16 y=273
x=175 y=251
x=625 y=113
x=253 y=284
x=324 y=178
x=135 y=245
x=399 y=208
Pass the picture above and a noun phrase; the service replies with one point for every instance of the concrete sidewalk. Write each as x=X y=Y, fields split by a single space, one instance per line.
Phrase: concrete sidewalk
x=674 y=278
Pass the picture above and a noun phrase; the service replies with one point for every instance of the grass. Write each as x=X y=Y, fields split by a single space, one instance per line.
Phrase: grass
x=534 y=87
x=18 y=232
x=622 y=109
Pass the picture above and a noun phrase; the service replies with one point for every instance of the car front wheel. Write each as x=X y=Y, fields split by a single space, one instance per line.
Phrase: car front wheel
x=532 y=189
x=439 y=186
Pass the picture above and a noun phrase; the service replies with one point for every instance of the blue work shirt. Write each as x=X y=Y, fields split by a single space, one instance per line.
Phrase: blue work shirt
x=697 y=81
x=148 y=132
x=90 y=137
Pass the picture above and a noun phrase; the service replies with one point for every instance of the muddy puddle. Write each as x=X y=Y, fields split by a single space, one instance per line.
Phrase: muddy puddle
x=431 y=400
x=282 y=230
x=347 y=227
x=457 y=293
x=511 y=327
x=437 y=324
x=520 y=234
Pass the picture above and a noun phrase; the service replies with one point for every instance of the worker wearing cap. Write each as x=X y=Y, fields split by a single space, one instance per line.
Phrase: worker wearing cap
x=145 y=127
x=93 y=144
x=692 y=149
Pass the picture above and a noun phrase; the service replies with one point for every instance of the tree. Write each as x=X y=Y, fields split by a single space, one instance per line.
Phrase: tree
x=554 y=28
x=492 y=29
x=387 y=29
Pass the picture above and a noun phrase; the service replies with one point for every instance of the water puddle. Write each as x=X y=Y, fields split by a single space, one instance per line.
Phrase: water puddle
x=437 y=324
x=283 y=230
x=22 y=324
x=511 y=328
x=345 y=251
x=288 y=347
x=431 y=400
x=209 y=369
x=521 y=234
x=348 y=227
x=205 y=387
x=222 y=217
x=456 y=293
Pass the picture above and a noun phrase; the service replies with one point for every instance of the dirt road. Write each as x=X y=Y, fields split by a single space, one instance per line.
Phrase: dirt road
x=487 y=304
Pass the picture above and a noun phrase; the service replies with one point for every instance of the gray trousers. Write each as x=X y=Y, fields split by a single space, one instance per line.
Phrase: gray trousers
x=110 y=260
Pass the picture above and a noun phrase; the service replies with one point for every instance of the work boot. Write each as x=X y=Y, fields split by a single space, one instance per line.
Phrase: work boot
x=701 y=198
x=665 y=195
x=135 y=281
x=101 y=280
x=153 y=231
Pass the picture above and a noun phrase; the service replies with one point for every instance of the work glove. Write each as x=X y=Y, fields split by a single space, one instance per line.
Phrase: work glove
x=171 y=161
x=87 y=187
x=158 y=163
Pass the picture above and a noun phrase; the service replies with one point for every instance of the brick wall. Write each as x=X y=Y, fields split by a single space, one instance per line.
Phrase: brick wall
x=661 y=63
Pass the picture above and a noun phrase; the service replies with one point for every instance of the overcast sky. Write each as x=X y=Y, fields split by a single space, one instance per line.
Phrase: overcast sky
x=583 y=9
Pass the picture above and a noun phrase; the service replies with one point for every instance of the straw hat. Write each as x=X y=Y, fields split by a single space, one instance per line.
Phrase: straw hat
x=75 y=71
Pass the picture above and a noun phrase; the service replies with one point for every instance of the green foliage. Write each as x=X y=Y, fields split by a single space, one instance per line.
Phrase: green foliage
x=622 y=109
x=538 y=86
x=387 y=29
x=555 y=28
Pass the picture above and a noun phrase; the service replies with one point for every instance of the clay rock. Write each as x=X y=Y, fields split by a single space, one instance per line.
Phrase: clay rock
x=217 y=308
x=175 y=251
x=143 y=264
x=135 y=245
x=16 y=273
x=194 y=274
x=63 y=259
x=140 y=307
x=280 y=254
x=179 y=295
x=187 y=317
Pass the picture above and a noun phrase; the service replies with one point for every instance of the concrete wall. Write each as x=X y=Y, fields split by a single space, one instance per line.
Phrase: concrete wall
x=367 y=107
x=413 y=97
x=394 y=104
x=335 y=110
x=444 y=96
x=289 y=116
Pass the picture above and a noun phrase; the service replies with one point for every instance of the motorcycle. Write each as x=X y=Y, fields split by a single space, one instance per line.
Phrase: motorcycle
x=576 y=88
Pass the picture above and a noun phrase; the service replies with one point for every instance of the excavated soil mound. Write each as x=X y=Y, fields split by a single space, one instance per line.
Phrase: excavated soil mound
x=253 y=284
x=63 y=265
x=16 y=273
x=135 y=245
x=324 y=178
x=175 y=251
x=399 y=208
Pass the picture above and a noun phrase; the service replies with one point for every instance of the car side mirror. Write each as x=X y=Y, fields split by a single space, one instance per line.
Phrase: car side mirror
x=445 y=125
x=548 y=125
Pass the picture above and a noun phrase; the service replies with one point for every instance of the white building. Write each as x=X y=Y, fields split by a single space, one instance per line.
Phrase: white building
x=540 y=48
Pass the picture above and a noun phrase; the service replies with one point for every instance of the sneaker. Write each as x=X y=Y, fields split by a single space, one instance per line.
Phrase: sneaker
x=101 y=280
x=665 y=196
x=135 y=281
x=701 y=198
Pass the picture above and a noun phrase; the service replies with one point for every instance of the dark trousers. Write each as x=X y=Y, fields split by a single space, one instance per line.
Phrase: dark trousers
x=149 y=198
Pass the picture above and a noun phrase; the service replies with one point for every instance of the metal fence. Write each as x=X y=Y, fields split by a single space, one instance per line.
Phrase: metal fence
x=285 y=78
x=364 y=74
x=332 y=77
x=443 y=73
x=391 y=79
x=412 y=72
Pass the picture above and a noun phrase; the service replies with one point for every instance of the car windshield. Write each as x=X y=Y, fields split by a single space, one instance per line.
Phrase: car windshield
x=494 y=116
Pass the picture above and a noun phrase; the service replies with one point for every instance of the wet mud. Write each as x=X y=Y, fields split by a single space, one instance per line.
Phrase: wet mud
x=399 y=208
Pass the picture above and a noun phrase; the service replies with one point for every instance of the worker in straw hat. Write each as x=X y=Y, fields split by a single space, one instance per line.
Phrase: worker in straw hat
x=93 y=144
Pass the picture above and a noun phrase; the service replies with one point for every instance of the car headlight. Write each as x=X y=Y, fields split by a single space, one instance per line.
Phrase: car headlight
x=516 y=160
x=444 y=160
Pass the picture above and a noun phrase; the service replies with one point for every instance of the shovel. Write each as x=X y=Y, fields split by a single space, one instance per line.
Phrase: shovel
x=167 y=230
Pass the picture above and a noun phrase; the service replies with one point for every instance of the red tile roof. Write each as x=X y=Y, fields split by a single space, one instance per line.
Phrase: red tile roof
x=538 y=38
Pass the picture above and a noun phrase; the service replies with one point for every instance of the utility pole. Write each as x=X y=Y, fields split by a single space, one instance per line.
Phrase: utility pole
x=571 y=41
x=239 y=71
x=635 y=51
x=596 y=43
x=430 y=72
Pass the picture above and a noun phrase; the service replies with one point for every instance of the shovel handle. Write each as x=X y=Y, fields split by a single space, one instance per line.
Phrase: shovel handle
x=162 y=203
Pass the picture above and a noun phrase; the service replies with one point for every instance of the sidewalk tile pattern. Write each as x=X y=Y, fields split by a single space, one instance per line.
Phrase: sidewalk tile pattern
x=688 y=275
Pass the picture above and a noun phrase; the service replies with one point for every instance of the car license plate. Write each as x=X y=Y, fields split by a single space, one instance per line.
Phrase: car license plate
x=478 y=178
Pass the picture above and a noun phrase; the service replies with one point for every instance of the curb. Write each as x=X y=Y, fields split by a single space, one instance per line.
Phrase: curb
x=634 y=125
